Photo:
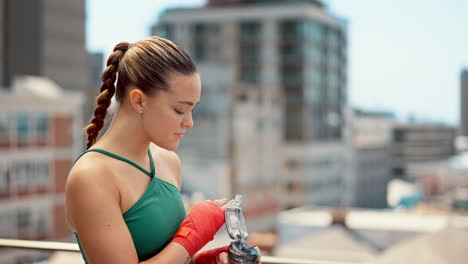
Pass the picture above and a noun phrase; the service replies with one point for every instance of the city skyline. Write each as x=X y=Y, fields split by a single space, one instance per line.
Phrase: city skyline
x=403 y=59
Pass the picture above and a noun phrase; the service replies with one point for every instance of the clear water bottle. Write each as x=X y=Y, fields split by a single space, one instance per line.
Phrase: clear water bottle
x=240 y=252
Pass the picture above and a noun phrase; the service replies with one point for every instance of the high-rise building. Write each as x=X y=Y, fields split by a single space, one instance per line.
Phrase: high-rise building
x=417 y=143
x=273 y=77
x=464 y=103
x=370 y=164
x=44 y=38
x=96 y=66
x=40 y=135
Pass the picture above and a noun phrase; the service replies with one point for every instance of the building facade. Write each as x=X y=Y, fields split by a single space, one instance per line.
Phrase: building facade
x=273 y=77
x=418 y=143
x=464 y=103
x=44 y=38
x=40 y=135
x=371 y=167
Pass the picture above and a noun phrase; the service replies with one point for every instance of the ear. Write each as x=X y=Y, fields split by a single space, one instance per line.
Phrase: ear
x=137 y=100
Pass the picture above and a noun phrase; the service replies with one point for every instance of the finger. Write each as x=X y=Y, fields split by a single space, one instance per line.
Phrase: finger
x=221 y=202
x=258 y=249
x=227 y=204
x=223 y=258
x=259 y=260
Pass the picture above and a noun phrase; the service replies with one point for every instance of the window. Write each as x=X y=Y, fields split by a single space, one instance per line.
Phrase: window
x=42 y=222
x=205 y=41
x=314 y=31
x=249 y=74
x=249 y=51
x=42 y=174
x=22 y=128
x=41 y=126
x=24 y=219
x=313 y=94
x=5 y=180
x=164 y=31
x=249 y=30
x=334 y=38
x=22 y=172
x=5 y=126
x=5 y=224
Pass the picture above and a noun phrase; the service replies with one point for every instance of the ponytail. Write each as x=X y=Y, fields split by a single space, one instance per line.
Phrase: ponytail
x=107 y=91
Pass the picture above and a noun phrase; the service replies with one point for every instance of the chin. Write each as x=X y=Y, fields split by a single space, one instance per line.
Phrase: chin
x=170 y=147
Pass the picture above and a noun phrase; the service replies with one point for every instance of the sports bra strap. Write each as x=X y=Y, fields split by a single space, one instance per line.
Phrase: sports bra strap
x=151 y=174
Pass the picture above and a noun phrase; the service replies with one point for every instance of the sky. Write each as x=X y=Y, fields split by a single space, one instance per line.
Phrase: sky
x=405 y=56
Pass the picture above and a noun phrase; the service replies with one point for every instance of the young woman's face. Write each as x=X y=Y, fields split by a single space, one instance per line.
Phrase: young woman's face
x=168 y=115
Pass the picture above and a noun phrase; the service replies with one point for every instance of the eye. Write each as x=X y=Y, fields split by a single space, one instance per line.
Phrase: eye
x=178 y=112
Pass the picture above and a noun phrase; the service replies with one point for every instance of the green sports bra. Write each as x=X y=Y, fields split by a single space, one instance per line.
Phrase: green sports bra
x=155 y=217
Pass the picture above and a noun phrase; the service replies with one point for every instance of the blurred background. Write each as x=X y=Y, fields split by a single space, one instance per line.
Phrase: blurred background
x=342 y=123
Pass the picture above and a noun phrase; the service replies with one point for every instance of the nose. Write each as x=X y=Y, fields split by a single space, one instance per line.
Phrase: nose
x=188 y=121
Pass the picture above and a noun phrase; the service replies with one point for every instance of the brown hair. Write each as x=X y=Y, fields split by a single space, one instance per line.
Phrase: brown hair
x=147 y=65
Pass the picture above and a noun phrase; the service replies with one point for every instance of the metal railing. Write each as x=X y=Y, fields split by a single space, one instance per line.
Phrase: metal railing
x=73 y=247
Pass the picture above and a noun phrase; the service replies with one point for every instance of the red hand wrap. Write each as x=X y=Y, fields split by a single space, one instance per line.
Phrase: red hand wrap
x=199 y=227
x=210 y=256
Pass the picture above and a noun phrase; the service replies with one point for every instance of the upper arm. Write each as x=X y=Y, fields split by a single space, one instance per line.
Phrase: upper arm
x=92 y=203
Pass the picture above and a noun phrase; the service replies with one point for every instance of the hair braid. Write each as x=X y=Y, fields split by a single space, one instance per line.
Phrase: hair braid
x=107 y=91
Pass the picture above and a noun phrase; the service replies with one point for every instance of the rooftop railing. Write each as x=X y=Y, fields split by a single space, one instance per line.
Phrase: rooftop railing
x=73 y=247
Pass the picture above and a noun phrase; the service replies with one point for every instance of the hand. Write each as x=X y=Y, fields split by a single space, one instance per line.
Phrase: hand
x=200 y=225
x=223 y=257
x=223 y=203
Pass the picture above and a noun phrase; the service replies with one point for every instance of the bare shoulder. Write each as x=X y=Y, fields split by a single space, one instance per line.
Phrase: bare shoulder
x=90 y=178
x=170 y=158
x=93 y=212
x=89 y=169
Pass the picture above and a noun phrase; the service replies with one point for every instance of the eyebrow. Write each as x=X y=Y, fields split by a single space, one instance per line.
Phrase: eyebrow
x=186 y=102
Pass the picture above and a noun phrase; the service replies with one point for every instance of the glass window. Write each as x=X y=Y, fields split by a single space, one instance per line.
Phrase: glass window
x=6 y=224
x=22 y=127
x=21 y=174
x=42 y=221
x=43 y=173
x=199 y=38
x=333 y=119
x=314 y=76
x=249 y=30
x=314 y=31
x=24 y=219
x=293 y=30
x=249 y=50
x=4 y=171
x=313 y=54
x=4 y=127
x=41 y=126
x=204 y=41
x=334 y=37
x=249 y=74
x=313 y=94
x=164 y=31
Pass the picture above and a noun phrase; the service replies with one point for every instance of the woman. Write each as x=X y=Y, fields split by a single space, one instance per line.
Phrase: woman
x=118 y=213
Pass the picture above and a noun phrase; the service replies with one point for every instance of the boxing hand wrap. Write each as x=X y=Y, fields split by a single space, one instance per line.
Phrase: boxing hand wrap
x=200 y=226
x=210 y=256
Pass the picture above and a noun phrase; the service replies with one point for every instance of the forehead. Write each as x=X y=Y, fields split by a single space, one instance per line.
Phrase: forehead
x=185 y=87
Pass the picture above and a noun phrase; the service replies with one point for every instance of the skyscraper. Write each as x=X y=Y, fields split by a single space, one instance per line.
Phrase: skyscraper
x=44 y=38
x=273 y=76
x=464 y=102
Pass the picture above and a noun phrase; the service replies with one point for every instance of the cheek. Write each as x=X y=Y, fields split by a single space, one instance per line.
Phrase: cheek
x=163 y=122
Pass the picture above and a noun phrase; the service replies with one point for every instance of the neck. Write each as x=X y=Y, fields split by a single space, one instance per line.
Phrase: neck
x=125 y=136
